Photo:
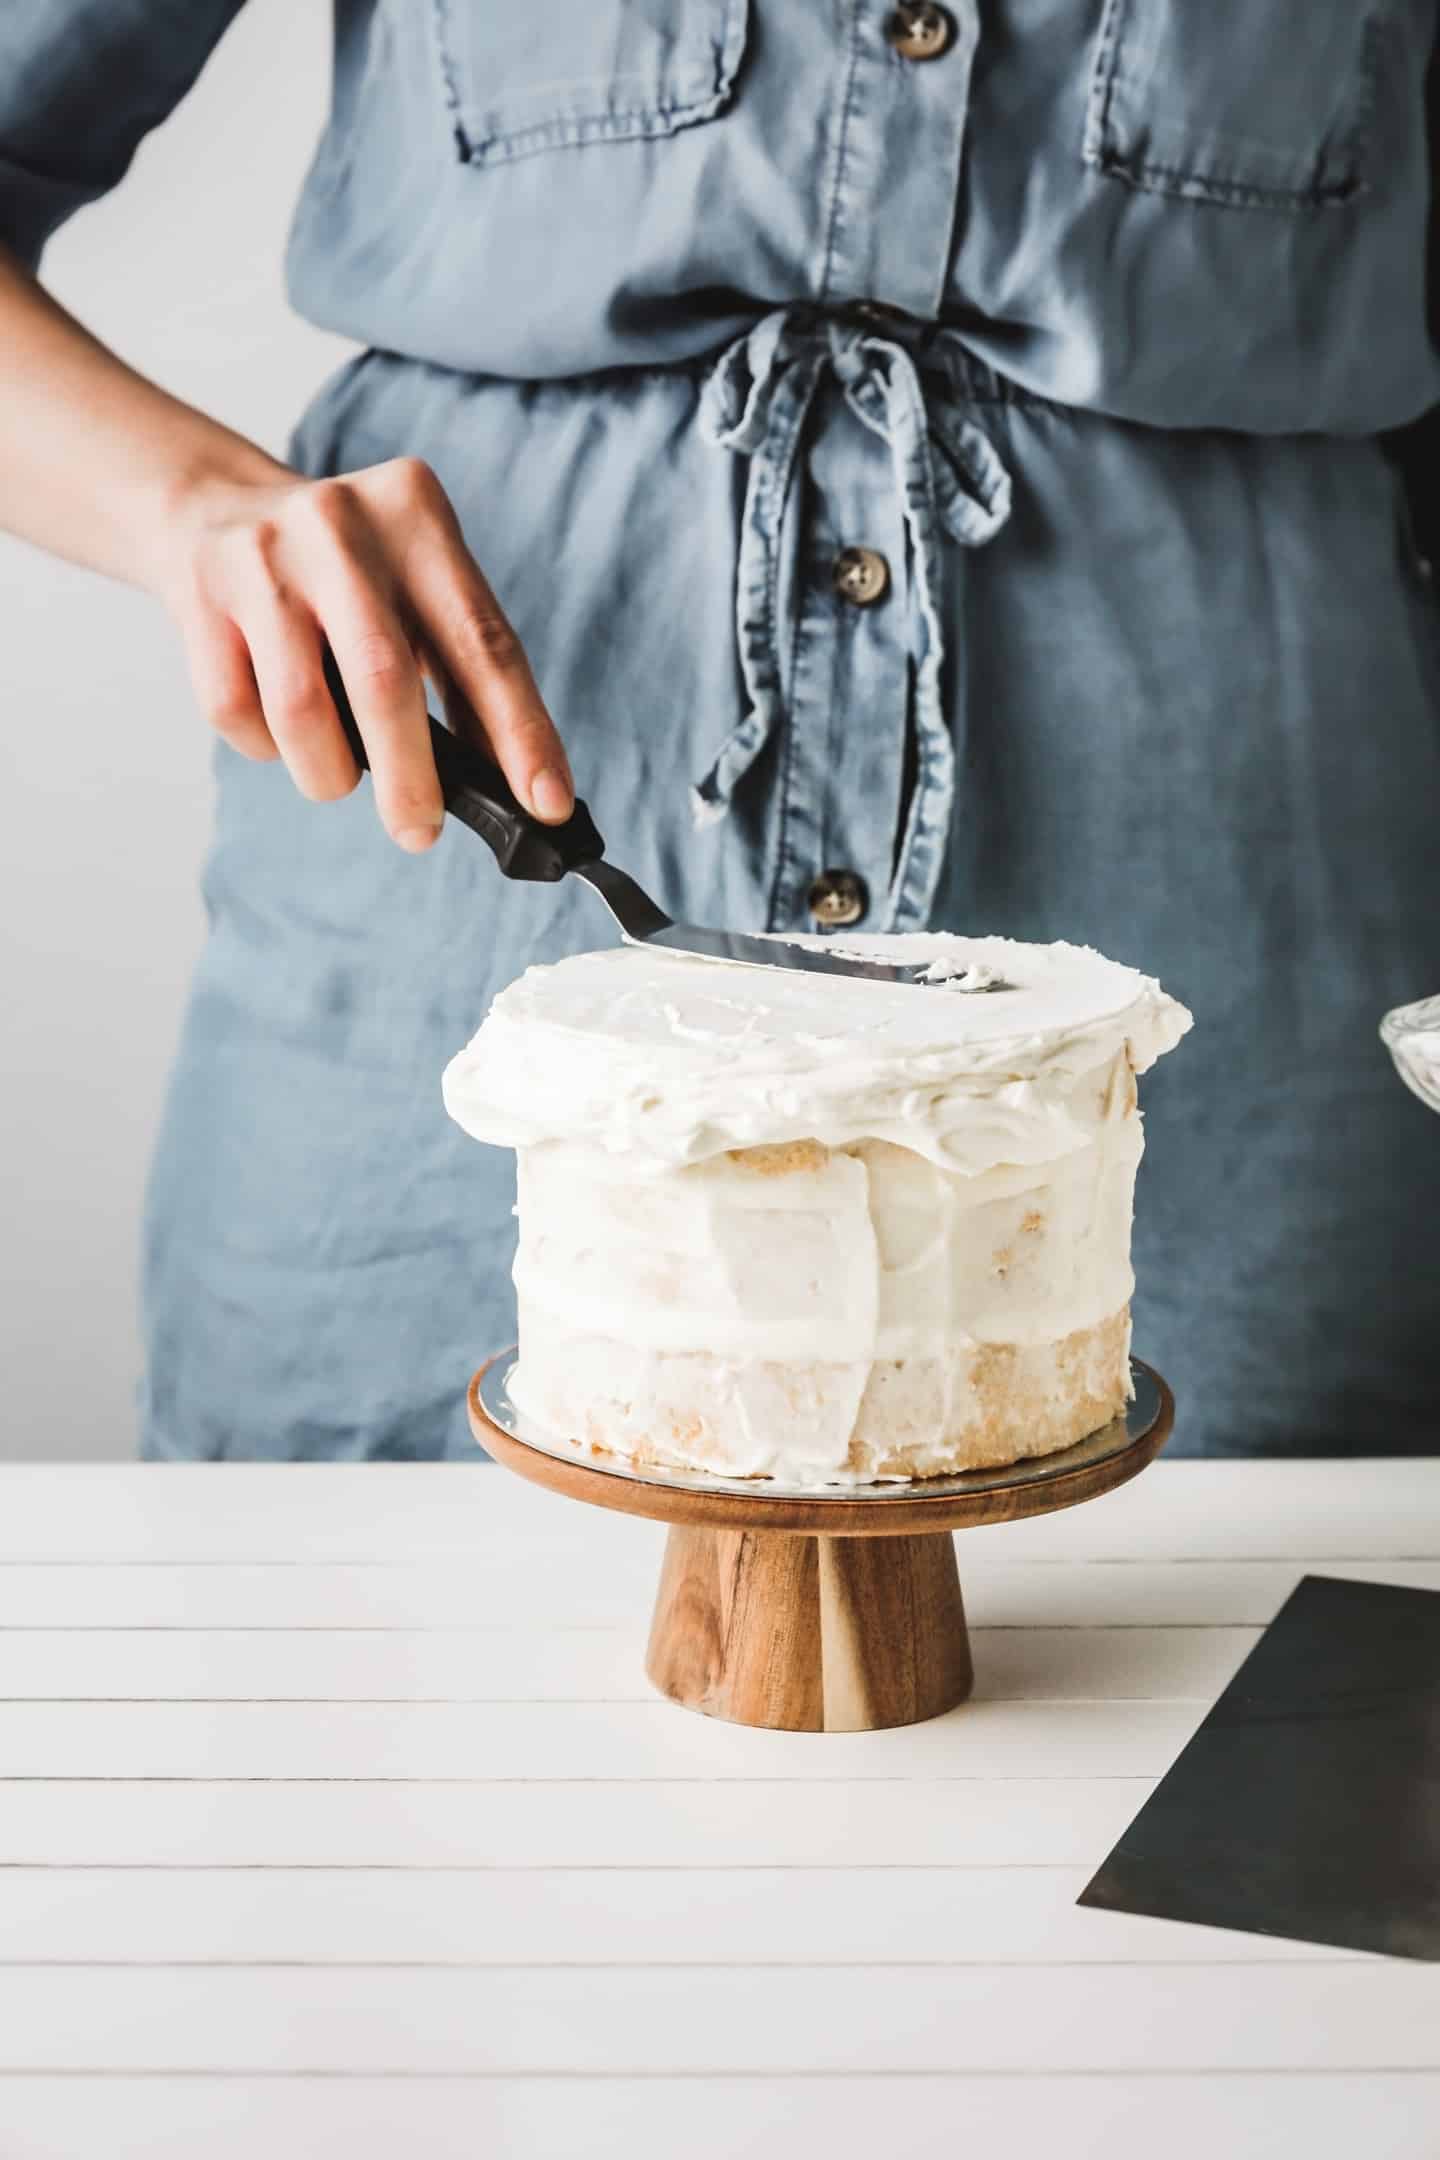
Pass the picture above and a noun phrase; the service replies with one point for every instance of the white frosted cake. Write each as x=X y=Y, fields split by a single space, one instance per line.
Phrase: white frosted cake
x=788 y=1225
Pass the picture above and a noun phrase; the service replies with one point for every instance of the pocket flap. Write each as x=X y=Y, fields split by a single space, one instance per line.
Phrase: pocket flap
x=521 y=80
x=1233 y=103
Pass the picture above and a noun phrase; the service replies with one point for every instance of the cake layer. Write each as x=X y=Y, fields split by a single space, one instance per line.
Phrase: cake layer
x=808 y=1252
x=817 y=1313
x=812 y=1424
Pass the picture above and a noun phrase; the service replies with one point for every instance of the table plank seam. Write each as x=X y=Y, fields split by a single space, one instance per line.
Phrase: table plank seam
x=974 y=1777
x=575 y=1627
x=542 y=1867
x=457 y=1558
x=1125 y=2074
x=525 y=1702
x=628 y=1965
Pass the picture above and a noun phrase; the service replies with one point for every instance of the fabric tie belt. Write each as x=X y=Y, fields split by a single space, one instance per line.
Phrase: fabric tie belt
x=948 y=476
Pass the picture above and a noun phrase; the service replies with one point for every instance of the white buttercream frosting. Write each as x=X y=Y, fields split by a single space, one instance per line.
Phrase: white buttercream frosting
x=664 y=1061
x=826 y=1230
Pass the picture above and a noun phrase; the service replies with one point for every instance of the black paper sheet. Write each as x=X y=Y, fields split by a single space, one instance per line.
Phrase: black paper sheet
x=1308 y=1803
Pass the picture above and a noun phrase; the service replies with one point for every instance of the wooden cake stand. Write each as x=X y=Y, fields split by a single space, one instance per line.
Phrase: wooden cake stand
x=816 y=1611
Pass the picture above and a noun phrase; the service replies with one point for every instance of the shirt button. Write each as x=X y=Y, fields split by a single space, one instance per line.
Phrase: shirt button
x=882 y=312
x=861 y=575
x=919 y=30
x=837 y=899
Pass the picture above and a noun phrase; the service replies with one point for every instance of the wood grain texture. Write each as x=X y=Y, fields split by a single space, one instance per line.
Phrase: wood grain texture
x=827 y=1613
x=809 y=1634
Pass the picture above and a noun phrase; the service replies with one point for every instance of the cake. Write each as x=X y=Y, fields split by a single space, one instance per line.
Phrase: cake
x=788 y=1225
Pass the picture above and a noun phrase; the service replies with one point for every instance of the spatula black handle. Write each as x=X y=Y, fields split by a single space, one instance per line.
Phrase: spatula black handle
x=476 y=791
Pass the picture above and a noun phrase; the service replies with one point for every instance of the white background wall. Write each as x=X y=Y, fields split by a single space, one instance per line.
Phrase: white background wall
x=104 y=777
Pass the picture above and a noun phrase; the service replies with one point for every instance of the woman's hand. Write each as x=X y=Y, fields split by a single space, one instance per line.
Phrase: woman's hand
x=261 y=568
x=261 y=573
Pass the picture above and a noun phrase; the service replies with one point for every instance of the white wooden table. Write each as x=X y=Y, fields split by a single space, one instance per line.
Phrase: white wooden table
x=337 y=1820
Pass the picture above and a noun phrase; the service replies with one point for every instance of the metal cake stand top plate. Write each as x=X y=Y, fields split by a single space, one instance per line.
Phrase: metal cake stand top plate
x=1104 y=1446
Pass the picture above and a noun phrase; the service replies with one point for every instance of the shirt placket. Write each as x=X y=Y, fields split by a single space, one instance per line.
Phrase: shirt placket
x=892 y=208
x=848 y=684
x=894 y=193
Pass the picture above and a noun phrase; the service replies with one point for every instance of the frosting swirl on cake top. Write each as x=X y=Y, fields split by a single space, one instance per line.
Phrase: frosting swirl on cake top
x=667 y=1060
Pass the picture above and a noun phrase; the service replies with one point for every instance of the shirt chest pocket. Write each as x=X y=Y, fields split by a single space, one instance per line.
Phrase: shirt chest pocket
x=1266 y=104
x=520 y=80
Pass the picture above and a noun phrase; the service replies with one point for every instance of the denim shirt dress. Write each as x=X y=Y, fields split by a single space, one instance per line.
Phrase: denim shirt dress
x=934 y=459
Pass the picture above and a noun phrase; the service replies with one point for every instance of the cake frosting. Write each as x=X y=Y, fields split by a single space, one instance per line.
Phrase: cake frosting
x=789 y=1225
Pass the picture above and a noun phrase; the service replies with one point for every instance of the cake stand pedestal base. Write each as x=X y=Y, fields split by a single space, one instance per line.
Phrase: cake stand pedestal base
x=816 y=1611
x=814 y=1634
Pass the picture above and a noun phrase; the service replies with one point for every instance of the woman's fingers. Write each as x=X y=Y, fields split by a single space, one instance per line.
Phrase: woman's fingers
x=465 y=626
x=350 y=591
x=387 y=696
x=285 y=653
x=375 y=564
x=225 y=684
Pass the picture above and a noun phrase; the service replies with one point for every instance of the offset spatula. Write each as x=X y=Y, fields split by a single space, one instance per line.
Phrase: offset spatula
x=478 y=794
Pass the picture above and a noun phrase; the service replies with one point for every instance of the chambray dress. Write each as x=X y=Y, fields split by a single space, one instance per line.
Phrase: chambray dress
x=1087 y=318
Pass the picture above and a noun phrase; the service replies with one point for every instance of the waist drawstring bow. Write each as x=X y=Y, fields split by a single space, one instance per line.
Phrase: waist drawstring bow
x=948 y=477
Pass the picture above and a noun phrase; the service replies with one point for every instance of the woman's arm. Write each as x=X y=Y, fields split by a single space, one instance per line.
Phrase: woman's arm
x=259 y=567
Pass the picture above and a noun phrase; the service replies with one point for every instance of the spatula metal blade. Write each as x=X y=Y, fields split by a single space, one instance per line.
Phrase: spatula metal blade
x=643 y=923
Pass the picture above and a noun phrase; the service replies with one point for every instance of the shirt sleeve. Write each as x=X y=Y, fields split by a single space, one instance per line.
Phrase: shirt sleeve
x=81 y=83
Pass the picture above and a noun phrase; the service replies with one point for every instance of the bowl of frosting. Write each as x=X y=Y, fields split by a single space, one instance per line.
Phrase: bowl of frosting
x=1411 y=1033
